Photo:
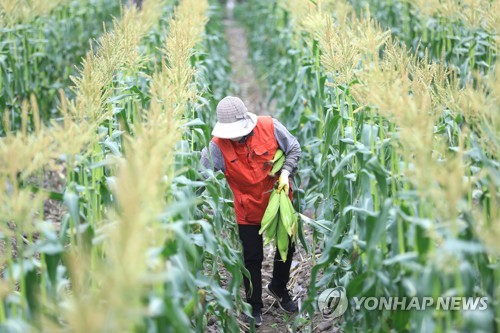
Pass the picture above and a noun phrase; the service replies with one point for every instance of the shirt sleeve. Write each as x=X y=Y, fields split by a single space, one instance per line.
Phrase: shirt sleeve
x=290 y=146
x=217 y=158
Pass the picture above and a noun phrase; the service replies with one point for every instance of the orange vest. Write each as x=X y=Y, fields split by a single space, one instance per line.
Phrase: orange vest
x=247 y=170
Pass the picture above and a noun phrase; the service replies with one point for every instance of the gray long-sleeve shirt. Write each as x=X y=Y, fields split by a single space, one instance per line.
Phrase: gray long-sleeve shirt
x=286 y=141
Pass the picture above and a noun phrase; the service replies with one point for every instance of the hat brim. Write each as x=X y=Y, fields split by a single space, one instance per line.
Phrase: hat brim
x=236 y=129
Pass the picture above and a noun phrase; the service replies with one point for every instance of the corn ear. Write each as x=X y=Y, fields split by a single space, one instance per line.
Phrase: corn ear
x=282 y=241
x=271 y=211
x=277 y=155
x=295 y=229
x=286 y=212
x=271 y=230
x=280 y=221
x=277 y=165
x=295 y=224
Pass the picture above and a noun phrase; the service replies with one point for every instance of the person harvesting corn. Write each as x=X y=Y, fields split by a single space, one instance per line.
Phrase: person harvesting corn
x=243 y=147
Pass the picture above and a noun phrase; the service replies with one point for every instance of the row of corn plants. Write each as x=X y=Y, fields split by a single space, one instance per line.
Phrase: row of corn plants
x=399 y=163
x=33 y=247
x=214 y=212
x=137 y=246
x=26 y=11
x=462 y=33
x=41 y=44
x=469 y=44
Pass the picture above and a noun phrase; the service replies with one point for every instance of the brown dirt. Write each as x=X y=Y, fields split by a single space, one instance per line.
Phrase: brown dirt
x=243 y=74
x=53 y=210
x=54 y=180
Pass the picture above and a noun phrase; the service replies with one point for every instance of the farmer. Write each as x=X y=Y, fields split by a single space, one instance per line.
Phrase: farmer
x=242 y=147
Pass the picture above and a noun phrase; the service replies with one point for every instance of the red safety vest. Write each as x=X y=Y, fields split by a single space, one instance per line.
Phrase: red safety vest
x=247 y=170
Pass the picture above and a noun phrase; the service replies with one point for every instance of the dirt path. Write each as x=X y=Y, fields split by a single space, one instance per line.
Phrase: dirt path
x=243 y=74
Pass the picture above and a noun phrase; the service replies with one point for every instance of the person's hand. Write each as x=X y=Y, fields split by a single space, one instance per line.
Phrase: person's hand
x=283 y=181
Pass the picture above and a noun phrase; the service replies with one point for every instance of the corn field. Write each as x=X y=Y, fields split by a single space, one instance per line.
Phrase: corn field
x=108 y=222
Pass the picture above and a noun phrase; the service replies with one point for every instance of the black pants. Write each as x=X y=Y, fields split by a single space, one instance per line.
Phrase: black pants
x=253 y=254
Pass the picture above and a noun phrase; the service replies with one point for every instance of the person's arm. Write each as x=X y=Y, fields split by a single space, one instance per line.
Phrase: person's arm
x=290 y=146
x=217 y=158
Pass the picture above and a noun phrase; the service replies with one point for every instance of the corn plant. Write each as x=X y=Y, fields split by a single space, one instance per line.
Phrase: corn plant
x=41 y=51
x=463 y=34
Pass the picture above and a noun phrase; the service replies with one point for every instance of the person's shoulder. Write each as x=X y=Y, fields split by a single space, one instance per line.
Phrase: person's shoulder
x=265 y=119
x=214 y=143
x=278 y=123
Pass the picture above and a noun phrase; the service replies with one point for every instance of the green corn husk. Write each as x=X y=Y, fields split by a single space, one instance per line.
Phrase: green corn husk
x=272 y=229
x=271 y=211
x=277 y=155
x=280 y=222
x=277 y=166
x=282 y=241
x=287 y=212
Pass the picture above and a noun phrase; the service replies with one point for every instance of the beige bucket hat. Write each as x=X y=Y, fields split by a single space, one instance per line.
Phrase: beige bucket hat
x=233 y=119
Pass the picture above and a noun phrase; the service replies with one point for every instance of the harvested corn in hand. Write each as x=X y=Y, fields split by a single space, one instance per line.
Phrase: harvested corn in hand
x=277 y=161
x=280 y=222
